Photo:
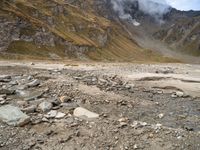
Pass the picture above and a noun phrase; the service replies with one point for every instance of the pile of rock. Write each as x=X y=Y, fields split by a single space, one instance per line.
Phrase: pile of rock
x=34 y=104
x=107 y=83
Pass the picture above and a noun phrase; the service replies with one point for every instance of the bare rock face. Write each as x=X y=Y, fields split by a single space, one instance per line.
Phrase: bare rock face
x=13 y=116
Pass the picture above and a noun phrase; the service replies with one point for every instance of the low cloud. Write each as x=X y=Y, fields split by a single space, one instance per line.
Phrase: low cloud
x=155 y=8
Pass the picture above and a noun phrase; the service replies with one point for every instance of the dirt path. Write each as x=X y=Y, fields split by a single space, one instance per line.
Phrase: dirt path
x=150 y=107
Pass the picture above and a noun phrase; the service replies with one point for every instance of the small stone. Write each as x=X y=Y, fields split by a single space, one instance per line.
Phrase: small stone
x=84 y=113
x=123 y=124
x=65 y=99
x=5 y=78
x=135 y=146
x=13 y=116
x=161 y=116
x=3 y=96
x=179 y=137
x=45 y=106
x=45 y=120
x=143 y=123
x=174 y=95
x=2 y=102
x=34 y=83
x=13 y=83
x=123 y=119
x=69 y=106
x=30 y=109
x=60 y=115
x=159 y=92
x=6 y=91
x=177 y=94
x=157 y=126
x=51 y=114
x=151 y=135
x=180 y=94
x=29 y=77
x=134 y=124
x=33 y=95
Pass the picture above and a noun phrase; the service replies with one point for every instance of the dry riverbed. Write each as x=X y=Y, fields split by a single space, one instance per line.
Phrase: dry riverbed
x=104 y=106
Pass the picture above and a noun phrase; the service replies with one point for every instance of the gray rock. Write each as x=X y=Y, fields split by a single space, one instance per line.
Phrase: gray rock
x=6 y=91
x=69 y=106
x=45 y=106
x=33 y=95
x=51 y=114
x=21 y=87
x=29 y=77
x=30 y=109
x=13 y=116
x=13 y=83
x=34 y=83
x=84 y=113
x=60 y=115
x=5 y=78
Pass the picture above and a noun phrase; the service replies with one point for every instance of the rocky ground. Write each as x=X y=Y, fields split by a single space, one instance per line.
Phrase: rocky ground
x=99 y=106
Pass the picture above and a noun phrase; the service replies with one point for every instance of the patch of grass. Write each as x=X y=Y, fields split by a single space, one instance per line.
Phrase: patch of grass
x=29 y=48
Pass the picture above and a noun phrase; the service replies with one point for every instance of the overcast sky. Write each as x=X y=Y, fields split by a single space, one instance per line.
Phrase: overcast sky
x=185 y=4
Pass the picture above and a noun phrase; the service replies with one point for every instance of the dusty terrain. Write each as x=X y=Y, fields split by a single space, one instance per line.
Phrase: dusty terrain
x=136 y=106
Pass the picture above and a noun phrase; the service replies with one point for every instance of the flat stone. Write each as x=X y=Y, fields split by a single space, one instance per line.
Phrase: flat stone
x=69 y=106
x=6 y=91
x=13 y=116
x=84 y=113
x=55 y=114
x=13 y=83
x=60 y=115
x=51 y=114
x=45 y=106
x=32 y=95
x=34 y=83
x=30 y=109
x=5 y=78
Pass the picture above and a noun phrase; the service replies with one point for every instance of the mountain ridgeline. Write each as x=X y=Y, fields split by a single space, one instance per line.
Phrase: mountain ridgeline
x=93 y=30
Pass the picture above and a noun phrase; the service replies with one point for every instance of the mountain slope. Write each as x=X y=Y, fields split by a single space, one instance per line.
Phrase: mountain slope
x=182 y=31
x=178 y=30
x=59 y=29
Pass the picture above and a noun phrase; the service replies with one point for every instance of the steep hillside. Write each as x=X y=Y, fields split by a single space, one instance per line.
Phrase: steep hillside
x=182 y=32
x=59 y=29
x=179 y=30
